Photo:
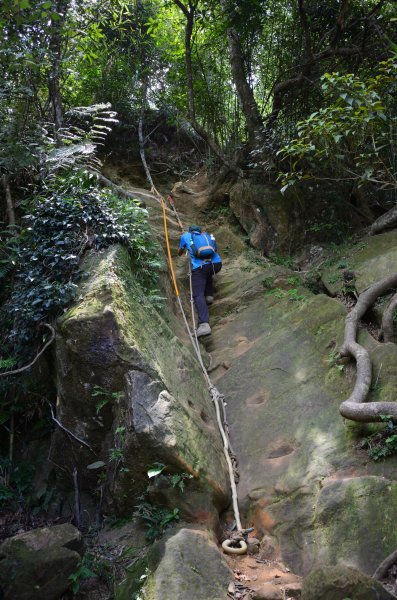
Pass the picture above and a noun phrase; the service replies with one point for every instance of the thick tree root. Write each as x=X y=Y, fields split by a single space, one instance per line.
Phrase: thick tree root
x=384 y=221
x=354 y=408
x=384 y=566
x=387 y=320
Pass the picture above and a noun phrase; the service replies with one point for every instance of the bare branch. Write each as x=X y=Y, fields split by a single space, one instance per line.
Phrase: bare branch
x=305 y=27
x=16 y=371
x=66 y=430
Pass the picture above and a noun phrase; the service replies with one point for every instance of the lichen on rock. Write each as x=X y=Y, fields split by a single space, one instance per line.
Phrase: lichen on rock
x=155 y=406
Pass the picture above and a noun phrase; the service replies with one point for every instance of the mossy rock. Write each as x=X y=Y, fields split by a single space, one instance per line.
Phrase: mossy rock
x=154 y=403
x=342 y=583
x=37 y=564
x=370 y=260
x=185 y=565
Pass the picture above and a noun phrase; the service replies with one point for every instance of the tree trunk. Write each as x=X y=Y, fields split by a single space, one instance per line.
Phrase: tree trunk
x=9 y=203
x=244 y=91
x=189 y=13
x=55 y=47
x=388 y=321
x=140 y=133
x=188 y=61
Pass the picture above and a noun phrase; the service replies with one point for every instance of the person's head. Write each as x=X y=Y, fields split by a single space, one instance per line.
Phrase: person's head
x=195 y=228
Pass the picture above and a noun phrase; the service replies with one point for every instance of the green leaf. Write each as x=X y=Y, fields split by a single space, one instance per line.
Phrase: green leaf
x=96 y=465
x=284 y=188
x=155 y=470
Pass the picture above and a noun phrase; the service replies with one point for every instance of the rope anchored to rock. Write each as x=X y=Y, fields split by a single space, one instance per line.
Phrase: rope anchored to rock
x=237 y=543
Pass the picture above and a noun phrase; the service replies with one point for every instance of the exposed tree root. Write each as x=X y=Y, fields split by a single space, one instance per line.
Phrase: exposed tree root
x=384 y=221
x=387 y=320
x=385 y=565
x=354 y=408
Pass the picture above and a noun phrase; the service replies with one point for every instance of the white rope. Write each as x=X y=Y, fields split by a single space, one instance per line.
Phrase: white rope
x=228 y=545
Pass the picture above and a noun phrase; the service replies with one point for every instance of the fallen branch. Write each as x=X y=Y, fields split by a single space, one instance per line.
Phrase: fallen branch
x=37 y=355
x=354 y=408
x=119 y=190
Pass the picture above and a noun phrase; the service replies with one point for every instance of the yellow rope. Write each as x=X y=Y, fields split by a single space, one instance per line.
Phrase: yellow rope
x=168 y=247
x=215 y=395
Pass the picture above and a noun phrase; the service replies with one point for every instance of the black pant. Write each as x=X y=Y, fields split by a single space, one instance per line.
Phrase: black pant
x=202 y=287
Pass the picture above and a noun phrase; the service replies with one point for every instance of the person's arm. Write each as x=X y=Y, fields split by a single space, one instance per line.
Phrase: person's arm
x=180 y=251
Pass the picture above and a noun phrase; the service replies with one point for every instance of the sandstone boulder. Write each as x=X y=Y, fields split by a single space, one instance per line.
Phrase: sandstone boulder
x=339 y=583
x=131 y=390
x=37 y=564
x=188 y=565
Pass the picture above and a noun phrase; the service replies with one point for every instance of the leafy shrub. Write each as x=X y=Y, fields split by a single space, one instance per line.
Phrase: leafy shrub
x=156 y=518
x=70 y=216
x=383 y=443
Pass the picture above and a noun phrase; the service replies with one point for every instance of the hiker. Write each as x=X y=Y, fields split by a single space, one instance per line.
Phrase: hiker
x=205 y=262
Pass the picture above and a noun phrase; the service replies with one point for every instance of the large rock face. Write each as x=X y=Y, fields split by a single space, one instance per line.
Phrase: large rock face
x=37 y=564
x=283 y=222
x=370 y=260
x=302 y=478
x=130 y=389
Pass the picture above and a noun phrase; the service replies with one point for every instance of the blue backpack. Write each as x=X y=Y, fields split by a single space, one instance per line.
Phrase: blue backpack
x=202 y=245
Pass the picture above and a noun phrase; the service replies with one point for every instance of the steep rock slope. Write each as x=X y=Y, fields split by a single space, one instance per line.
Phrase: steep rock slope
x=303 y=479
x=313 y=496
x=153 y=407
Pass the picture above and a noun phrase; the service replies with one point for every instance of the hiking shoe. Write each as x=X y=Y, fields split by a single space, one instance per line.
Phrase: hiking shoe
x=209 y=299
x=203 y=329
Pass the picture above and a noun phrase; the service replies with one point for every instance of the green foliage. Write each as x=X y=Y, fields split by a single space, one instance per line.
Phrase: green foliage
x=70 y=216
x=156 y=518
x=281 y=259
x=104 y=397
x=116 y=454
x=82 y=572
x=16 y=484
x=268 y=283
x=383 y=443
x=177 y=480
x=333 y=361
x=353 y=135
x=293 y=294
